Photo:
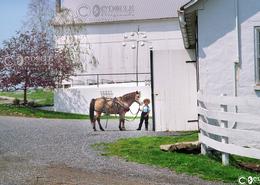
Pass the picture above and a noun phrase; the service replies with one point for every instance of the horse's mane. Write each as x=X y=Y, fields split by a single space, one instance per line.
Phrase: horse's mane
x=129 y=96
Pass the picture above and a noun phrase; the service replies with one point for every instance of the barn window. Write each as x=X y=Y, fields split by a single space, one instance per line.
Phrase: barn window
x=257 y=54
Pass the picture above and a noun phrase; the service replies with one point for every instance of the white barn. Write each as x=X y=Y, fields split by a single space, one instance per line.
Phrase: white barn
x=118 y=37
x=228 y=38
x=225 y=36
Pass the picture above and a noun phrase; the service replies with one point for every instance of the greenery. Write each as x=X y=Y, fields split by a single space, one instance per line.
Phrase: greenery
x=25 y=111
x=42 y=97
x=146 y=150
x=12 y=110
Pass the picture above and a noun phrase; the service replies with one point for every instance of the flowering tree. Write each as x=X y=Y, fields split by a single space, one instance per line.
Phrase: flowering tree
x=28 y=60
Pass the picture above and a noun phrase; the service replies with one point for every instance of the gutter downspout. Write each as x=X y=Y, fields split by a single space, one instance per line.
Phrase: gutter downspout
x=183 y=24
x=237 y=63
x=58 y=6
x=238 y=35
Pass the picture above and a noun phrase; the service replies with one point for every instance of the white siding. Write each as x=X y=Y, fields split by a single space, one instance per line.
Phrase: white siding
x=218 y=51
x=249 y=18
x=105 y=44
x=217 y=47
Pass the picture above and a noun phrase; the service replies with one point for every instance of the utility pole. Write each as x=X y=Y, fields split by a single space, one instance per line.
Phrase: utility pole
x=137 y=55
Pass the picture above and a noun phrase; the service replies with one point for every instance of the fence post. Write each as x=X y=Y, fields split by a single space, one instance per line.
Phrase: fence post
x=224 y=124
x=203 y=147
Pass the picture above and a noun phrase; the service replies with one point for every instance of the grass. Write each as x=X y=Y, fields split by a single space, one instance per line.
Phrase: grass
x=11 y=110
x=42 y=97
x=23 y=111
x=145 y=150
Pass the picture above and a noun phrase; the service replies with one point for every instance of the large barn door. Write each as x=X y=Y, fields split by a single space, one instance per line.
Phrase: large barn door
x=175 y=90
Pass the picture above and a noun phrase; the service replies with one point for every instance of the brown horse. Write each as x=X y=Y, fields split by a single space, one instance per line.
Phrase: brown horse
x=118 y=105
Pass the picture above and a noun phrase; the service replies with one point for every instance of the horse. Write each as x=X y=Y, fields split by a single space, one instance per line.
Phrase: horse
x=118 y=105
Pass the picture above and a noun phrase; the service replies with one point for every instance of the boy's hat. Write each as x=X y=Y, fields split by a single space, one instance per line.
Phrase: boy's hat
x=147 y=100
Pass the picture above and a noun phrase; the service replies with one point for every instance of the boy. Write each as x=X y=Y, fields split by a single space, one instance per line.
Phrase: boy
x=145 y=115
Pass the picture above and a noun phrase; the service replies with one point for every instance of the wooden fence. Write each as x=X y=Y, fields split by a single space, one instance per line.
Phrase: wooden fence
x=223 y=127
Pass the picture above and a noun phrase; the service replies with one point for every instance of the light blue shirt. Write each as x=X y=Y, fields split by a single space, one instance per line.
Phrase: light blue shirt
x=146 y=109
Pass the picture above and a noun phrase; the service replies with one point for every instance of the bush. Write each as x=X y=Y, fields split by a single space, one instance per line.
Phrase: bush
x=16 y=101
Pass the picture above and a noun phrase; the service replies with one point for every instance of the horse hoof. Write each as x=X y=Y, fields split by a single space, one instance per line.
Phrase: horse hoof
x=95 y=130
x=123 y=129
x=102 y=130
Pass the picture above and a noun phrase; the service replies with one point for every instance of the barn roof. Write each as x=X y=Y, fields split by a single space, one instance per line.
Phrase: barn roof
x=187 y=19
x=99 y=11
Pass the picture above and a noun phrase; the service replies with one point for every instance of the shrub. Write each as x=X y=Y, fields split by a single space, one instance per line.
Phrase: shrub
x=16 y=101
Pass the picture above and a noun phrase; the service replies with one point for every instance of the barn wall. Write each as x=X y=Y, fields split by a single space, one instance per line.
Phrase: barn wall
x=218 y=52
x=112 y=48
x=249 y=18
x=218 y=46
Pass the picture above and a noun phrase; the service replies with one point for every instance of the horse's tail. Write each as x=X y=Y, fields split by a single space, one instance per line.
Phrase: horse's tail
x=92 y=110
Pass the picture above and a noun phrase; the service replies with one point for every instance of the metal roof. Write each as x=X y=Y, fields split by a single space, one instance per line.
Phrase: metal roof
x=96 y=11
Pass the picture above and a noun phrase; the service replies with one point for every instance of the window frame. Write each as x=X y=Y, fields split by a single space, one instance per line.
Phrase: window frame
x=257 y=54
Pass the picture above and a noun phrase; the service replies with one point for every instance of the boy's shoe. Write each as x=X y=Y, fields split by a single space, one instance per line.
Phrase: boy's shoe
x=138 y=129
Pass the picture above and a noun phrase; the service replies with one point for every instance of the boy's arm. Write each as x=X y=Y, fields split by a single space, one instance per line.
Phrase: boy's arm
x=148 y=113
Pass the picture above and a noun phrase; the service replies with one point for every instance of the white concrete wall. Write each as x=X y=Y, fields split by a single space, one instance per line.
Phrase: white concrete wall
x=77 y=99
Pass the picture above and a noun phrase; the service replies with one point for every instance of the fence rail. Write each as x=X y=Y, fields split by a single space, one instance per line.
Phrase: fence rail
x=222 y=125
x=111 y=78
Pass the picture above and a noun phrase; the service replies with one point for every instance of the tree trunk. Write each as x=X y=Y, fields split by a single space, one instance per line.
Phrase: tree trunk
x=25 y=96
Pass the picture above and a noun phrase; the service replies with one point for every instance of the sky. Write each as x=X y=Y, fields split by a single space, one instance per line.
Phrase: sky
x=12 y=13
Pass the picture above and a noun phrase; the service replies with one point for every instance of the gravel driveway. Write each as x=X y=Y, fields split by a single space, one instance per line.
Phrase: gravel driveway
x=41 y=151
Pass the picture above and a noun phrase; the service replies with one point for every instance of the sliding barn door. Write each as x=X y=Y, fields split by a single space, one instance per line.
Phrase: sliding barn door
x=175 y=90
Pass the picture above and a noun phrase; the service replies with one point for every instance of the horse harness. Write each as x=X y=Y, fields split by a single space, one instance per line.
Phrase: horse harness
x=116 y=102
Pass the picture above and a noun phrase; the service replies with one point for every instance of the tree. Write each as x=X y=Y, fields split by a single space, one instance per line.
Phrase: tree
x=28 y=60
x=39 y=15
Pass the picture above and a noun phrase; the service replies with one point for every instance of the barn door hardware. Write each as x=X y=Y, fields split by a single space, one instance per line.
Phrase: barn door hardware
x=192 y=61
x=193 y=121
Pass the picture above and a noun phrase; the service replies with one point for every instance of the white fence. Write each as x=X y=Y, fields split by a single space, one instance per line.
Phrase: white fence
x=218 y=125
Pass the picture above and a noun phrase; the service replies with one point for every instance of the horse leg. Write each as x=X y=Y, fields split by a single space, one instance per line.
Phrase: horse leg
x=99 y=123
x=94 y=124
x=123 y=122
x=120 y=127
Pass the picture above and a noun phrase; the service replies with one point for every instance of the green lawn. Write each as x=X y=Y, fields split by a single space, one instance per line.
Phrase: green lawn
x=11 y=110
x=22 y=111
x=42 y=97
x=145 y=150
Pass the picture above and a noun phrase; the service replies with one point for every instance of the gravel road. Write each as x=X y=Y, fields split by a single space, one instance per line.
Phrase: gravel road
x=52 y=152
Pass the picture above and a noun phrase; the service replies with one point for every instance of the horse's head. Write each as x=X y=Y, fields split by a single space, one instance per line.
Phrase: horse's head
x=137 y=97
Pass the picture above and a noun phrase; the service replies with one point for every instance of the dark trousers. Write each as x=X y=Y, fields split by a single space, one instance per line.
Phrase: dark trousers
x=144 y=118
